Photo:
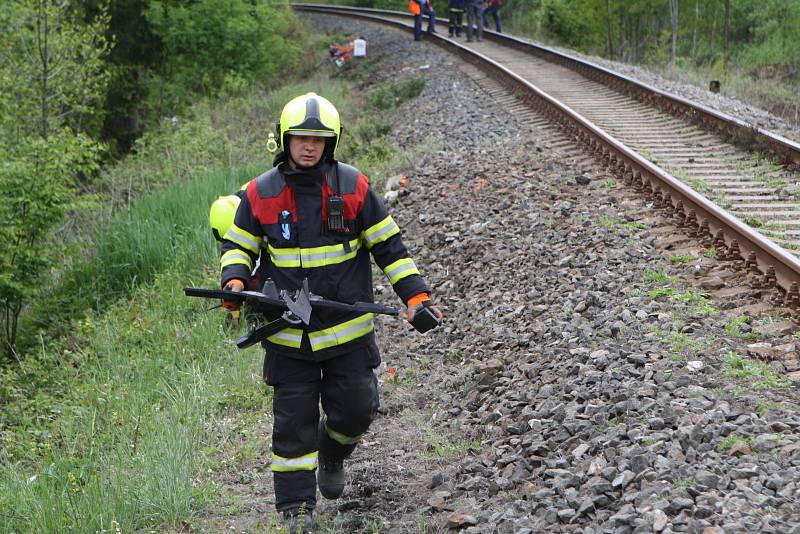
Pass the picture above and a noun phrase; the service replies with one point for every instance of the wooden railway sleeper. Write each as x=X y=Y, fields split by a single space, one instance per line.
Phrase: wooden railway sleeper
x=751 y=265
x=658 y=199
x=647 y=188
x=662 y=201
x=719 y=244
x=691 y=224
x=705 y=234
x=680 y=215
x=793 y=297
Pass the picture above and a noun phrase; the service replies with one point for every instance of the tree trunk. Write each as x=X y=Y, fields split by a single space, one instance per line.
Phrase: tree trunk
x=42 y=34
x=694 y=32
x=608 y=30
x=726 y=27
x=673 y=12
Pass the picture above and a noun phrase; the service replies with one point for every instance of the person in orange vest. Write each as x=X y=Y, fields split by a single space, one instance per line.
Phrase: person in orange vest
x=419 y=8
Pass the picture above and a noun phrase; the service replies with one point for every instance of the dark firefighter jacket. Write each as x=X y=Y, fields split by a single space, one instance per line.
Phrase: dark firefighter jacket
x=284 y=212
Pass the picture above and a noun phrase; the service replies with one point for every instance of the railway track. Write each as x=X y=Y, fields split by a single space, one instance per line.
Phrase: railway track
x=689 y=159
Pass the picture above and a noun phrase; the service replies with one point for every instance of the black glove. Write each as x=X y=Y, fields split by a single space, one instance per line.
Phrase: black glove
x=422 y=314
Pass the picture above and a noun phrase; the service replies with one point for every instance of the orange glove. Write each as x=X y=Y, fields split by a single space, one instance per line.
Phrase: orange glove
x=422 y=314
x=235 y=285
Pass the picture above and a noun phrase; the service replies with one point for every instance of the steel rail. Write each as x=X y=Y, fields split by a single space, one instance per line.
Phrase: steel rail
x=733 y=239
x=735 y=130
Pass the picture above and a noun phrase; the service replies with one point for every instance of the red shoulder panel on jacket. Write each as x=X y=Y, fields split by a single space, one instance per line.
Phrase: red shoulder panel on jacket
x=354 y=202
x=268 y=210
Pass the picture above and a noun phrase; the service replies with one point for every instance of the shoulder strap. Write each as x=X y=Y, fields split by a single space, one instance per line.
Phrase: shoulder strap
x=270 y=184
x=347 y=178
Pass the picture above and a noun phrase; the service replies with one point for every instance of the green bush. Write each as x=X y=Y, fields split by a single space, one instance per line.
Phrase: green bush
x=389 y=96
x=214 y=46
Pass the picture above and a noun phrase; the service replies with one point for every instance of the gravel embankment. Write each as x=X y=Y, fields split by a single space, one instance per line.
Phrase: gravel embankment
x=599 y=378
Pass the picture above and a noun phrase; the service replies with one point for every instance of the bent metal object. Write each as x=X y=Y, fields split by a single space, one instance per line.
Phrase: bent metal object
x=294 y=308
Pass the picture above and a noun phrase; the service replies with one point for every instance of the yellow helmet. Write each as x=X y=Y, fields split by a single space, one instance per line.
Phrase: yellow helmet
x=223 y=210
x=310 y=114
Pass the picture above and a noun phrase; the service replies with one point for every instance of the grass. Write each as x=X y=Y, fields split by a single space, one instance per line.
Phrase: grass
x=755 y=222
x=113 y=434
x=695 y=183
x=661 y=292
x=699 y=306
x=657 y=276
x=389 y=96
x=733 y=326
x=608 y=221
x=633 y=225
x=453 y=356
x=124 y=443
x=443 y=443
x=757 y=373
x=680 y=260
x=116 y=427
x=729 y=441
x=678 y=342
x=611 y=423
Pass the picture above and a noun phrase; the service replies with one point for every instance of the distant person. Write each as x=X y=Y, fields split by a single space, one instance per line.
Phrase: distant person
x=474 y=16
x=493 y=9
x=420 y=8
x=456 y=17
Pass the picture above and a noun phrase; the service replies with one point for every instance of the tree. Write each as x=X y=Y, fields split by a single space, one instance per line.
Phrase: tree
x=52 y=75
x=674 y=9
x=215 y=45
x=727 y=25
x=609 y=46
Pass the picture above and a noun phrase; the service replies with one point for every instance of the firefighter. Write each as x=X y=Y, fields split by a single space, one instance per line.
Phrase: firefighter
x=318 y=219
x=419 y=8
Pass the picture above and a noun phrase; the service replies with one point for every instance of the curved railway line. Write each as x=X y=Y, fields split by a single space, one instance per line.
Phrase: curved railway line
x=688 y=158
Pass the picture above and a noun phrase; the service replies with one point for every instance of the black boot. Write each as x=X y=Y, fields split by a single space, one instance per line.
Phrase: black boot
x=299 y=520
x=330 y=475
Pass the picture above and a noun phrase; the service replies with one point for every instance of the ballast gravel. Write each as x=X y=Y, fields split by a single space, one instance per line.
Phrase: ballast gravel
x=594 y=383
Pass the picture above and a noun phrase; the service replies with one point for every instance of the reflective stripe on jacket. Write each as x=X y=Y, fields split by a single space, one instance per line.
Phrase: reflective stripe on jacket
x=284 y=213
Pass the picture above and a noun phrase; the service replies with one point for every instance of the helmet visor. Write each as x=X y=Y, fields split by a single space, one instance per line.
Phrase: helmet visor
x=310 y=133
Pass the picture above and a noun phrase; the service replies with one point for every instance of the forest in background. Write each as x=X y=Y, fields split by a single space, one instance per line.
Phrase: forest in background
x=751 y=46
x=84 y=85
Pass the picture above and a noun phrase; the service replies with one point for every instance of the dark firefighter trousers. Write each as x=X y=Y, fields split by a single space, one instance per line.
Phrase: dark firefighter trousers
x=348 y=389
